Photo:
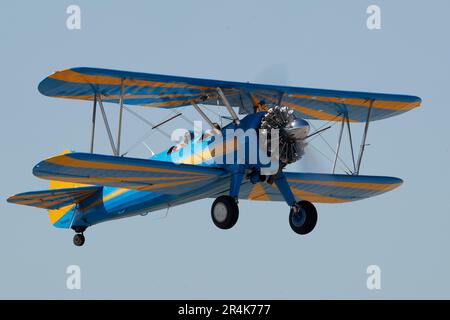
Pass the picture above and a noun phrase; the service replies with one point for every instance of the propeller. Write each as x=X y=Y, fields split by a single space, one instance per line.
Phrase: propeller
x=292 y=133
x=311 y=159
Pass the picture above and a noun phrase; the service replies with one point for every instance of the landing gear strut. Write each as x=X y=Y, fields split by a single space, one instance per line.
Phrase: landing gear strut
x=303 y=217
x=225 y=212
x=78 y=239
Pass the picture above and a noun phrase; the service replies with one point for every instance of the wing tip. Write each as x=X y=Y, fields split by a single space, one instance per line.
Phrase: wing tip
x=43 y=85
x=11 y=199
x=400 y=182
x=417 y=101
x=392 y=182
x=37 y=172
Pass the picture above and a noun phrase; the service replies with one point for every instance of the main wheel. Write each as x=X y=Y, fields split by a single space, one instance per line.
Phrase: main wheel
x=225 y=212
x=303 y=217
x=78 y=239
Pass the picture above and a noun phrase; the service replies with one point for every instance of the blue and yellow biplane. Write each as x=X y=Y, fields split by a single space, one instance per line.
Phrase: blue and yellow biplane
x=88 y=188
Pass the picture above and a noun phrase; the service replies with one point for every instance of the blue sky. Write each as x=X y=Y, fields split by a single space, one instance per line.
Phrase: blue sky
x=323 y=44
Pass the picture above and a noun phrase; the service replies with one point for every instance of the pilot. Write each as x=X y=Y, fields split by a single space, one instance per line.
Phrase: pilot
x=188 y=137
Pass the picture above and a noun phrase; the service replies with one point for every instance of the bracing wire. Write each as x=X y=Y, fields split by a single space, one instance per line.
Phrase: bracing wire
x=328 y=144
x=147 y=134
x=325 y=156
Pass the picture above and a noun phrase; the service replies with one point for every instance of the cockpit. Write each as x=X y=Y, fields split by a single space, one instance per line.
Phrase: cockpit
x=190 y=137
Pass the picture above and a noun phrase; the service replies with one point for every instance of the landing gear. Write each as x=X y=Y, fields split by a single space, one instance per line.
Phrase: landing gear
x=78 y=239
x=303 y=217
x=225 y=212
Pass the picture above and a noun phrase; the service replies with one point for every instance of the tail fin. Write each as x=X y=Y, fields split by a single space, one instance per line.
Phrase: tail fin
x=62 y=217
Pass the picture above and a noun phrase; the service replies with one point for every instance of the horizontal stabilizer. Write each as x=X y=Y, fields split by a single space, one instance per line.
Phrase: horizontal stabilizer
x=55 y=198
x=128 y=173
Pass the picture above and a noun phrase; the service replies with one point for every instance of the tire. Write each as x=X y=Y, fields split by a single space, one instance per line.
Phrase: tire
x=303 y=220
x=225 y=212
x=78 y=239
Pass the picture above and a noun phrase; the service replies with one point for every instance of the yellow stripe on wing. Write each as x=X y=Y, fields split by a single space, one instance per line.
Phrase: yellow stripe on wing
x=72 y=162
x=315 y=197
x=258 y=193
x=379 y=104
x=188 y=96
x=356 y=185
x=69 y=75
x=318 y=114
x=128 y=183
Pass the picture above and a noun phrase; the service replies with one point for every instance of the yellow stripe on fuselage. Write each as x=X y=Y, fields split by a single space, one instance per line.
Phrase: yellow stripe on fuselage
x=110 y=196
x=206 y=153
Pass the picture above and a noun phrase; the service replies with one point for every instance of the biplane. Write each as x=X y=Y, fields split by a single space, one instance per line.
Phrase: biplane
x=88 y=188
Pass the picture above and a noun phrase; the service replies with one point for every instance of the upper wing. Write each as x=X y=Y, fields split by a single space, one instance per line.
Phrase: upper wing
x=323 y=188
x=129 y=173
x=164 y=91
x=53 y=199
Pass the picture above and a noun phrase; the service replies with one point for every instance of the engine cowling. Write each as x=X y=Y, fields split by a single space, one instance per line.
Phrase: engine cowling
x=292 y=132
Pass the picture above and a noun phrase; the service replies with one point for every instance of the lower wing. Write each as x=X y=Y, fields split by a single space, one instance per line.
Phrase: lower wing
x=323 y=188
x=129 y=173
x=170 y=178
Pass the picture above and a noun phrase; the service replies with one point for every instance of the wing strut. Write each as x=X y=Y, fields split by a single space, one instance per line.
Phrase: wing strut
x=351 y=142
x=119 y=130
x=94 y=114
x=204 y=116
x=228 y=106
x=363 y=142
x=108 y=130
x=339 y=143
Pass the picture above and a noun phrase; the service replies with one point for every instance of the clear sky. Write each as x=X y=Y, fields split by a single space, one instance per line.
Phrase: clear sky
x=323 y=44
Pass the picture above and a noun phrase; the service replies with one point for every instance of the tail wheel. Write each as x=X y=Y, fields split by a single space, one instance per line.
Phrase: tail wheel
x=225 y=212
x=78 y=239
x=303 y=217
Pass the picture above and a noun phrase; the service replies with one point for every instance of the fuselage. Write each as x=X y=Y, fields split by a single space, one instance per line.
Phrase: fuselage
x=114 y=203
